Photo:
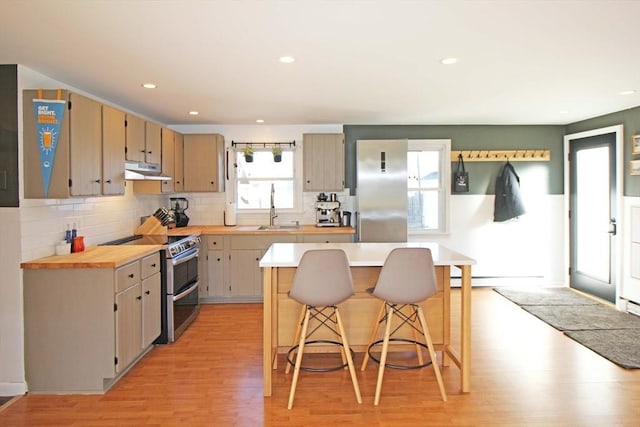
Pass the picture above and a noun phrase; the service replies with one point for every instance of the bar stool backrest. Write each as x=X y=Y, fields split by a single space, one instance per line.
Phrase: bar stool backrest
x=323 y=277
x=407 y=276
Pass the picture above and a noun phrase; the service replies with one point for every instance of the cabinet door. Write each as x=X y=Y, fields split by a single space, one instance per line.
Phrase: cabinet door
x=128 y=326
x=113 y=147
x=323 y=162
x=203 y=162
x=216 y=287
x=246 y=275
x=153 y=143
x=178 y=176
x=168 y=160
x=85 y=129
x=134 y=138
x=151 y=316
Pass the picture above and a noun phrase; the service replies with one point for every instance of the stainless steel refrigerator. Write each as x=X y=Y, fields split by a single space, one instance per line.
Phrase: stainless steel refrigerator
x=382 y=190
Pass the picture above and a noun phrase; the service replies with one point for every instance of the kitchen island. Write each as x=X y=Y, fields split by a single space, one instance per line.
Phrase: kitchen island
x=366 y=259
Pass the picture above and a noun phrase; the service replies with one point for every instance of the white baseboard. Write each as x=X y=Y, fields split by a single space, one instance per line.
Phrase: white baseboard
x=507 y=281
x=13 y=389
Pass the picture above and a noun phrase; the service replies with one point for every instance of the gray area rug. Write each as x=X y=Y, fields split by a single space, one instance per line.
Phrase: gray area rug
x=613 y=334
x=544 y=296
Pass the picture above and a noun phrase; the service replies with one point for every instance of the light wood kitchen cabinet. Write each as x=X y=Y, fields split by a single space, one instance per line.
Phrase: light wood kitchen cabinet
x=178 y=176
x=234 y=274
x=135 y=144
x=113 y=147
x=144 y=140
x=153 y=142
x=77 y=164
x=323 y=162
x=168 y=167
x=203 y=161
x=84 y=327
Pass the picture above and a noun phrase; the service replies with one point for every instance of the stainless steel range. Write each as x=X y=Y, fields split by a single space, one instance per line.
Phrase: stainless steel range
x=180 y=280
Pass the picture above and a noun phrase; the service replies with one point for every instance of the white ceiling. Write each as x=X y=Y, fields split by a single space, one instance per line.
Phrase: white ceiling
x=357 y=62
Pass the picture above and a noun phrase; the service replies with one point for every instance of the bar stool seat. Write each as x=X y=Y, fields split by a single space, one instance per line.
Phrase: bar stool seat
x=406 y=279
x=322 y=280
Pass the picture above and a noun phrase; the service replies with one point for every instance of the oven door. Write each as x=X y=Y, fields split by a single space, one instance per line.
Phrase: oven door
x=183 y=308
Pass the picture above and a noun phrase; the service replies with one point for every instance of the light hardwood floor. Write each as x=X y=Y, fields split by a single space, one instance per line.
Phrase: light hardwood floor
x=524 y=373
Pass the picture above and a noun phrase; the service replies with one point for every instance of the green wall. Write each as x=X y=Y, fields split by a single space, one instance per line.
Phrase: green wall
x=471 y=137
x=630 y=119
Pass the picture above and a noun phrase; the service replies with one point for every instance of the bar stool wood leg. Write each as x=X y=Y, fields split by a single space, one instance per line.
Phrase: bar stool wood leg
x=415 y=337
x=296 y=336
x=296 y=370
x=373 y=336
x=383 y=356
x=432 y=353
x=347 y=352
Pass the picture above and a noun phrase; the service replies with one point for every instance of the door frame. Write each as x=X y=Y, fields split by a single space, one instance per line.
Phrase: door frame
x=617 y=247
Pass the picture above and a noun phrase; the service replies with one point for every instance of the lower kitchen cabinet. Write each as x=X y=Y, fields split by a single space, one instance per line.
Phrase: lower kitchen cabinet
x=233 y=270
x=84 y=327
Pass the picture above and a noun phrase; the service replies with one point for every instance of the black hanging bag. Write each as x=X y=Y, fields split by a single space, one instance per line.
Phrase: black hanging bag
x=460 y=178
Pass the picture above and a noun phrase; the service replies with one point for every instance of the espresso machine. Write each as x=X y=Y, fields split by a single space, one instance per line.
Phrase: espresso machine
x=327 y=211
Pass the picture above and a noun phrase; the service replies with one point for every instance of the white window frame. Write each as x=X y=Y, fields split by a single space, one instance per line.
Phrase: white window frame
x=297 y=182
x=443 y=146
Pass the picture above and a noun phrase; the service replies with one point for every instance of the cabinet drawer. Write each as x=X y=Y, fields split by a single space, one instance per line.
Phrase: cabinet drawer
x=260 y=242
x=150 y=265
x=215 y=242
x=127 y=276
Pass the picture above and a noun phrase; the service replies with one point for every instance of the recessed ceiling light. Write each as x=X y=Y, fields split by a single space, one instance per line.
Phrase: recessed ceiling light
x=449 y=61
x=149 y=85
x=259 y=121
x=627 y=92
x=193 y=113
x=287 y=59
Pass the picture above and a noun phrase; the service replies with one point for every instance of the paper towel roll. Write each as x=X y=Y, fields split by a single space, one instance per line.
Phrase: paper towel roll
x=230 y=214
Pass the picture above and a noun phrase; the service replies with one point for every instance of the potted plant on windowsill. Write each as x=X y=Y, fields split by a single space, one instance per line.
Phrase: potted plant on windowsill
x=277 y=153
x=248 y=153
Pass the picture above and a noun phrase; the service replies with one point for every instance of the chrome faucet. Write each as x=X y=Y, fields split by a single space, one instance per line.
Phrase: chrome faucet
x=272 y=209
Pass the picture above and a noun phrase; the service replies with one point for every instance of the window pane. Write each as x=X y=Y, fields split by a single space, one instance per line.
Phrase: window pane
x=424 y=209
x=254 y=180
x=423 y=169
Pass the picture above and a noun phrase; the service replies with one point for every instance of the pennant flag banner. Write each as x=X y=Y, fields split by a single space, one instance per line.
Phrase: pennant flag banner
x=48 y=114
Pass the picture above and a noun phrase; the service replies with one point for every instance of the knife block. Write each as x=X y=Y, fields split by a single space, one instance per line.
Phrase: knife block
x=151 y=226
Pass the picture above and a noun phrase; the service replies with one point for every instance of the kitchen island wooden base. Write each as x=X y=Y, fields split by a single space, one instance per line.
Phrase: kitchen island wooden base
x=361 y=310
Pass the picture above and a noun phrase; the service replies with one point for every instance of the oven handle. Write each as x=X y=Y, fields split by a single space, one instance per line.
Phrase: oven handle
x=186 y=292
x=192 y=253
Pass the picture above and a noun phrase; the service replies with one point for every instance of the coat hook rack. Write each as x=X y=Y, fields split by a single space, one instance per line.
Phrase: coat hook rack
x=525 y=155
x=265 y=144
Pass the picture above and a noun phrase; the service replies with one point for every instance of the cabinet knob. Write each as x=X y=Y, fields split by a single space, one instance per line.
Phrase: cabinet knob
x=149 y=152
x=108 y=181
x=131 y=276
x=218 y=259
x=139 y=297
x=153 y=265
x=308 y=181
x=257 y=259
x=177 y=182
x=142 y=151
x=212 y=182
x=97 y=181
x=147 y=292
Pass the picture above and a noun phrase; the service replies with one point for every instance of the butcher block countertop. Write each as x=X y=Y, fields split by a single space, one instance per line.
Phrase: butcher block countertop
x=94 y=257
x=253 y=230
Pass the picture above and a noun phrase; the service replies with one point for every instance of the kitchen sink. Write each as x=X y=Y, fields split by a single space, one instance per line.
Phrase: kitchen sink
x=278 y=227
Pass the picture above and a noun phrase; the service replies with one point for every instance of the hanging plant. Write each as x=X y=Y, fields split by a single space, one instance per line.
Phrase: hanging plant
x=277 y=153
x=248 y=153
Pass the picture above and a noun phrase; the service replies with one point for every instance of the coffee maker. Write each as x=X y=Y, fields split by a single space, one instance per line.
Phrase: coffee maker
x=327 y=211
x=178 y=206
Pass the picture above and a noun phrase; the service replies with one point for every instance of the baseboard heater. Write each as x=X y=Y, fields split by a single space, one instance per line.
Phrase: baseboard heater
x=633 y=308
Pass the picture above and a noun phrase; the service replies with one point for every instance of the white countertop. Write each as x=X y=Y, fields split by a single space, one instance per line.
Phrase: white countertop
x=359 y=254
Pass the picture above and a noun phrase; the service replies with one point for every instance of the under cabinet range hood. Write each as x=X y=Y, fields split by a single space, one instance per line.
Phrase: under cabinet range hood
x=139 y=171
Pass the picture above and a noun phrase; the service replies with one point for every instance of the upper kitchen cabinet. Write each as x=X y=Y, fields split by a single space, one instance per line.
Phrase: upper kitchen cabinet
x=65 y=161
x=113 y=143
x=178 y=152
x=323 y=161
x=203 y=160
x=144 y=140
x=167 y=164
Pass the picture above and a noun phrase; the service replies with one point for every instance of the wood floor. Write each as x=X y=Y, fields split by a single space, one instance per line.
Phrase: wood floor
x=525 y=373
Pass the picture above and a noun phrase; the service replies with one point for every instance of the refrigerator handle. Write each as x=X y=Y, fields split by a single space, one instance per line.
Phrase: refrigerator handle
x=357 y=214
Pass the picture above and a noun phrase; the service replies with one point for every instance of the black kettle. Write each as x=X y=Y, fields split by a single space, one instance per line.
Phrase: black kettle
x=179 y=205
